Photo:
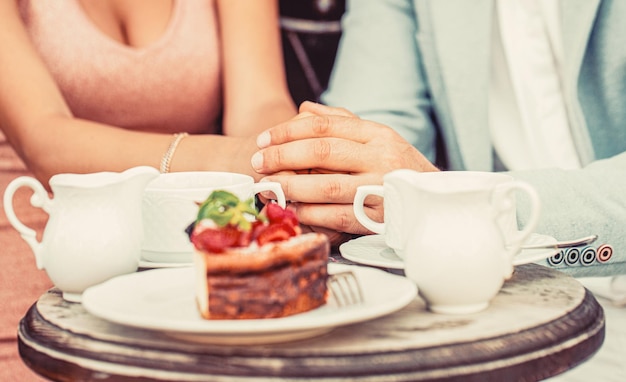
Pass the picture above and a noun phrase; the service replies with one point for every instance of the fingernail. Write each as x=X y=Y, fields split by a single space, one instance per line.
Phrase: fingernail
x=257 y=161
x=263 y=140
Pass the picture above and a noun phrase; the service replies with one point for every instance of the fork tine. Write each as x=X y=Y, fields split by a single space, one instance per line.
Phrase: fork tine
x=345 y=288
x=337 y=290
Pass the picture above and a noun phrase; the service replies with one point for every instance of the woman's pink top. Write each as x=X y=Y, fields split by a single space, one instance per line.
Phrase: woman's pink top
x=170 y=85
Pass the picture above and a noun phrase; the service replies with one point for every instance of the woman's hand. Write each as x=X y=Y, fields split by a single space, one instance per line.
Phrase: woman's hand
x=333 y=152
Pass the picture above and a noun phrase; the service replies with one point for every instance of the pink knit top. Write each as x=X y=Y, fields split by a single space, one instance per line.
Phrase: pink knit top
x=170 y=85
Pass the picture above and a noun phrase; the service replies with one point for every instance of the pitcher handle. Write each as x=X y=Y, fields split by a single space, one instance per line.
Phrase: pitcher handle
x=359 y=207
x=517 y=239
x=39 y=199
x=274 y=187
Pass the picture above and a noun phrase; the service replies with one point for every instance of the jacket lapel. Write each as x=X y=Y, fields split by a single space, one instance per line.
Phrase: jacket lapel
x=461 y=41
x=458 y=67
x=577 y=19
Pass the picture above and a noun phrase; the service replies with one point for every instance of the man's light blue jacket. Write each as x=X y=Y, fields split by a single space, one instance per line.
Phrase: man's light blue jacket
x=423 y=66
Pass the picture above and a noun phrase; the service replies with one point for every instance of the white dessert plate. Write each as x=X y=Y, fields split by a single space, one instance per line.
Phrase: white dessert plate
x=164 y=300
x=372 y=250
x=153 y=264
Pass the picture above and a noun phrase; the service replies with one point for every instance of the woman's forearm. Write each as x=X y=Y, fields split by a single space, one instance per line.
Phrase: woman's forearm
x=62 y=145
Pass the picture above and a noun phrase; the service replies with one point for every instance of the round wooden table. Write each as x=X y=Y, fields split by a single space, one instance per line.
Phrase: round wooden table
x=542 y=323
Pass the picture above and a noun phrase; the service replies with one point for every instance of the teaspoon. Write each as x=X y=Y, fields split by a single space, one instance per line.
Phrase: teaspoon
x=564 y=244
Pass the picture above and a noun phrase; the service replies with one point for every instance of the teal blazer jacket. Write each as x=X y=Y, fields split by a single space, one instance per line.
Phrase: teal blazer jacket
x=422 y=67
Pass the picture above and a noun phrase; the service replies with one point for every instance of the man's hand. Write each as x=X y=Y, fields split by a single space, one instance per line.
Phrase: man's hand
x=322 y=155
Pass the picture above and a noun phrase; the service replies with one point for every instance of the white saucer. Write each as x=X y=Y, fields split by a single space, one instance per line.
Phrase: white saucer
x=164 y=300
x=372 y=250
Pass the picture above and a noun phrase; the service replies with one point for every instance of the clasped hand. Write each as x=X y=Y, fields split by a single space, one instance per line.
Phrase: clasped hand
x=322 y=155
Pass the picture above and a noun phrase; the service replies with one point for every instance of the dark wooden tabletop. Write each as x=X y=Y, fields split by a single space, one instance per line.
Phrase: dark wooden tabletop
x=541 y=323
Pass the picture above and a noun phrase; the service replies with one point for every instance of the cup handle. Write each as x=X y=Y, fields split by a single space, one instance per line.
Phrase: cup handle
x=518 y=238
x=274 y=187
x=359 y=207
x=39 y=199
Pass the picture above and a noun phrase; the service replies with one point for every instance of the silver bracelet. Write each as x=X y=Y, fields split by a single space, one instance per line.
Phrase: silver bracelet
x=169 y=154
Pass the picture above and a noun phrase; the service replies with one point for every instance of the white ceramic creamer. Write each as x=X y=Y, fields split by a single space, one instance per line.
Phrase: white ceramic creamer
x=459 y=252
x=94 y=230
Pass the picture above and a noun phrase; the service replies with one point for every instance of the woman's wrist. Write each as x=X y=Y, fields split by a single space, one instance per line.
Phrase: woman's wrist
x=166 y=160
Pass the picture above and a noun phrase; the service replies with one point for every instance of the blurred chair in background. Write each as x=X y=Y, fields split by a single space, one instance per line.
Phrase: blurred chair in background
x=311 y=30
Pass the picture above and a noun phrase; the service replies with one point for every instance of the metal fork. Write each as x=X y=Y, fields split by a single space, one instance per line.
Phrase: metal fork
x=344 y=289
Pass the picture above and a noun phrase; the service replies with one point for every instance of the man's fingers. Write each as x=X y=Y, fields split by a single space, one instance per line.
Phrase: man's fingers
x=332 y=154
x=317 y=108
x=319 y=126
x=303 y=114
x=336 y=217
x=333 y=217
x=322 y=188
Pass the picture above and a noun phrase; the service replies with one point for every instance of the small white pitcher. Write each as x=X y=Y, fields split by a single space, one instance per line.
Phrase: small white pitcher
x=94 y=231
x=458 y=252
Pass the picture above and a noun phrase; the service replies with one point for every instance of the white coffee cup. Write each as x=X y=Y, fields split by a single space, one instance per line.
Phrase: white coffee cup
x=170 y=205
x=457 y=250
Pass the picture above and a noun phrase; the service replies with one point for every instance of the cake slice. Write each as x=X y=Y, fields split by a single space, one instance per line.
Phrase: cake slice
x=251 y=265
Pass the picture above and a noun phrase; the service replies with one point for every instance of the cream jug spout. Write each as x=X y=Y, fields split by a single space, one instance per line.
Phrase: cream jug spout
x=139 y=177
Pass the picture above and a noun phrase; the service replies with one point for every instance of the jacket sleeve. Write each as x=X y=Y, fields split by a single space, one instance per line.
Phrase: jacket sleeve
x=576 y=203
x=377 y=72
